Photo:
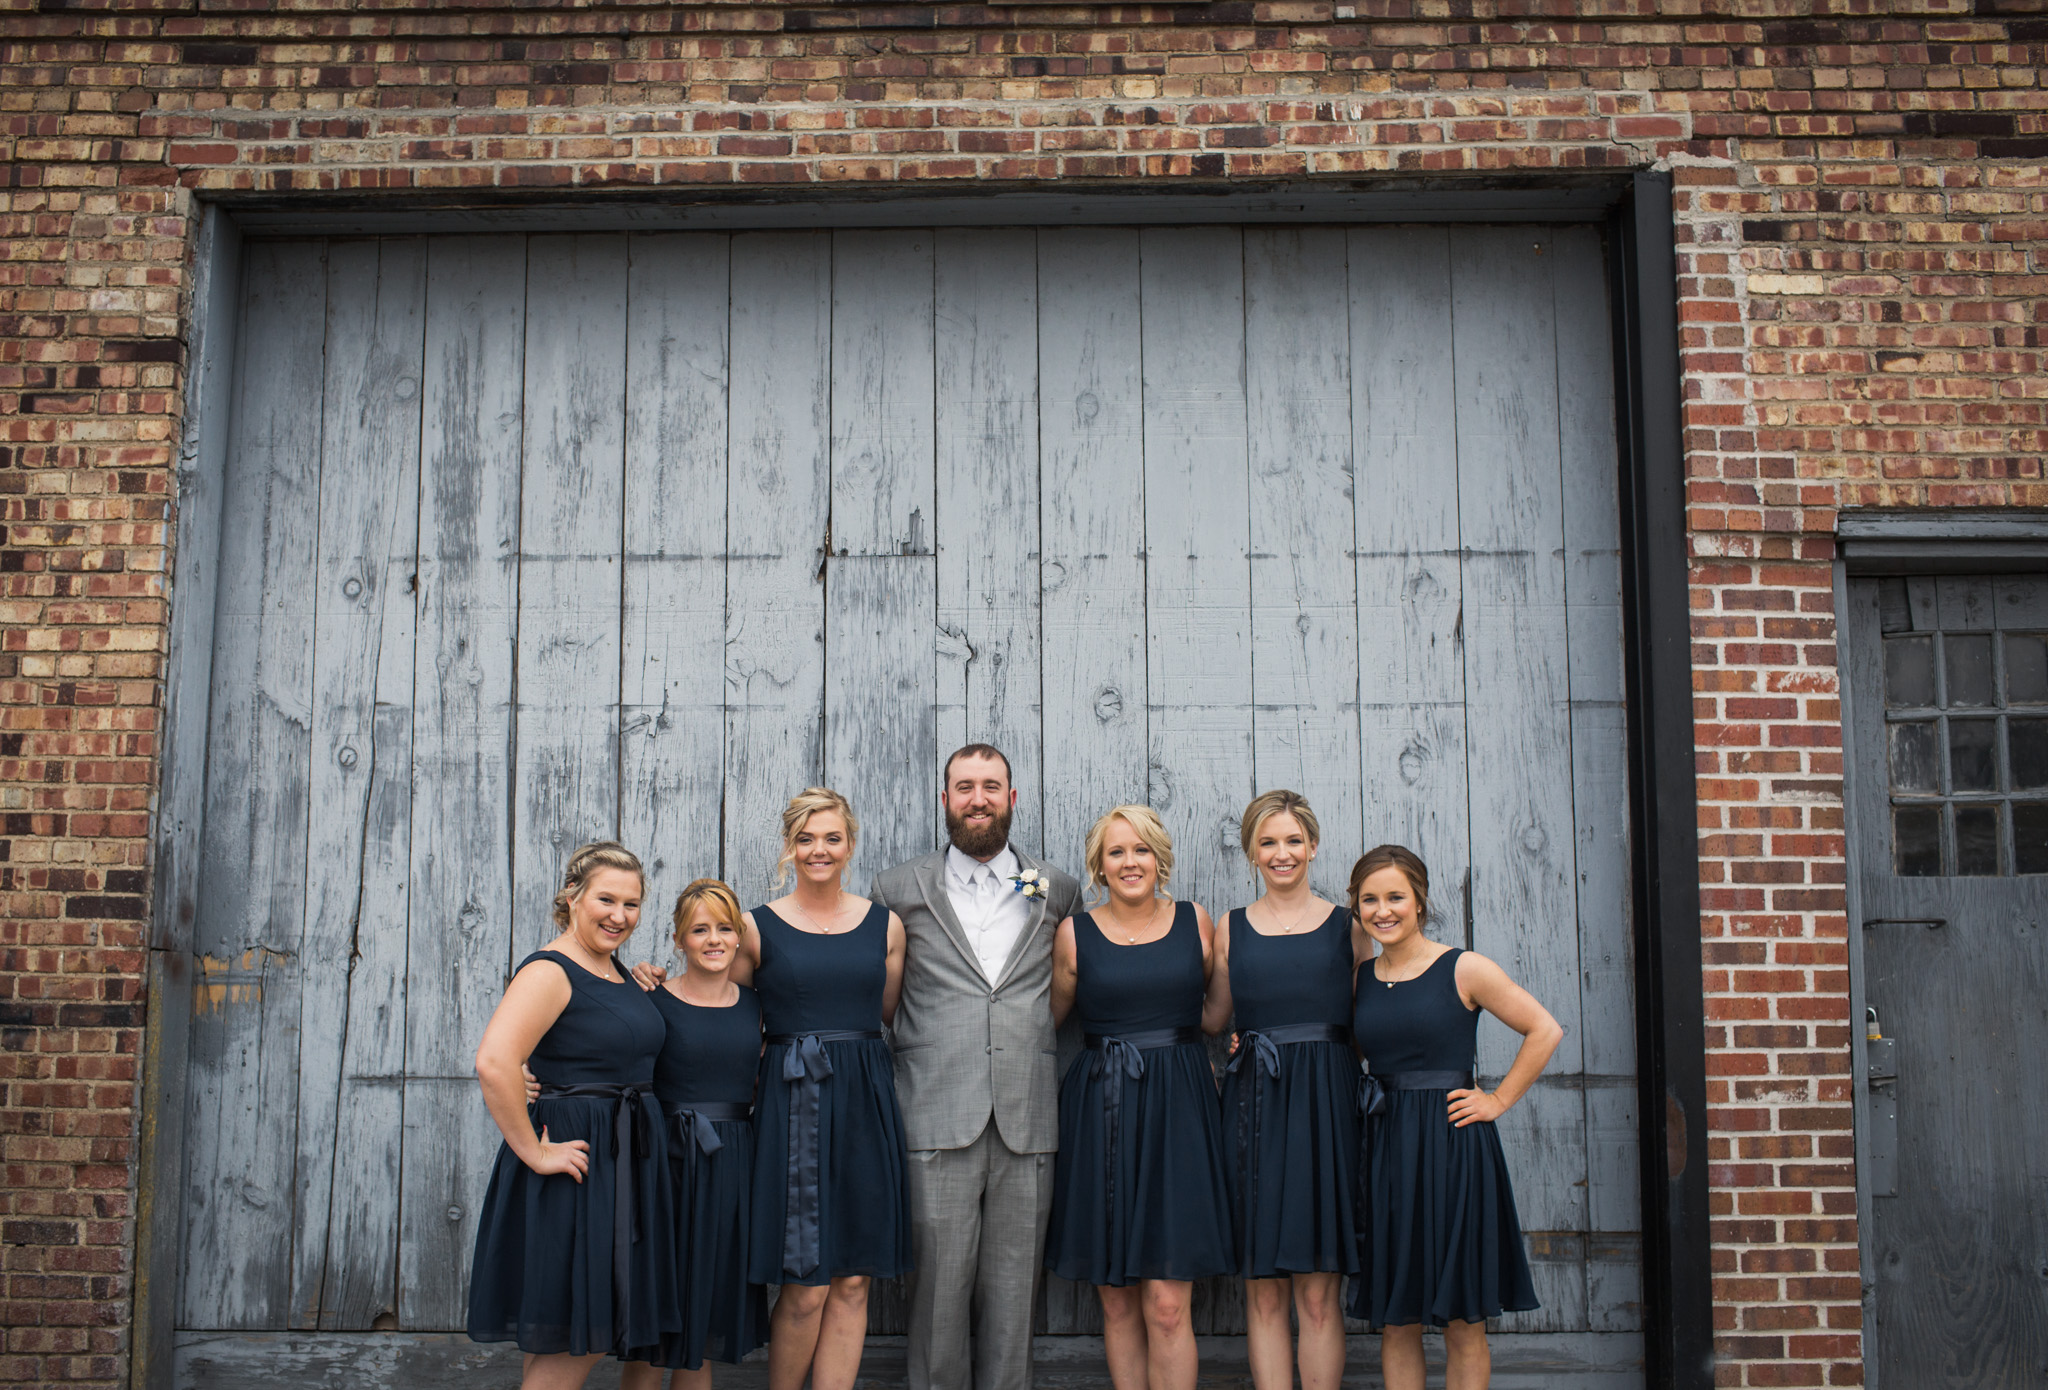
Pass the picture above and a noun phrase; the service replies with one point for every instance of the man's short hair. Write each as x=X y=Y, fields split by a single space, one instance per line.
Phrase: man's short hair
x=975 y=750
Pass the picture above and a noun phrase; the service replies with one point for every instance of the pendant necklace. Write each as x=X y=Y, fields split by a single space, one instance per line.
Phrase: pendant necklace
x=823 y=930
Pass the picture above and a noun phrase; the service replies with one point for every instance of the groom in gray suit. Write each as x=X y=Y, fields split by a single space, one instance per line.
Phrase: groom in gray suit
x=976 y=1080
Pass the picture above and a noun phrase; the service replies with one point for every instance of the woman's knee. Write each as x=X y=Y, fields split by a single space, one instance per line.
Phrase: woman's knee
x=804 y=1300
x=1317 y=1299
x=1166 y=1305
x=850 y=1290
x=1120 y=1306
x=1267 y=1298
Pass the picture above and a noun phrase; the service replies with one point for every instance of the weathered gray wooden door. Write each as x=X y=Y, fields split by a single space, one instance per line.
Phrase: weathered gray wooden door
x=536 y=539
x=1950 y=686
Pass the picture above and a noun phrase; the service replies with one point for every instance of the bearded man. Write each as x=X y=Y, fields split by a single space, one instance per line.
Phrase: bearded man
x=976 y=1079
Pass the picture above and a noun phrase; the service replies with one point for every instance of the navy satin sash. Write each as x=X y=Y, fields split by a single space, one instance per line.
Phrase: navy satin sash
x=633 y=1138
x=695 y=1119
x=1119 y=1055
x=1263 y=1045
x=805 y=1067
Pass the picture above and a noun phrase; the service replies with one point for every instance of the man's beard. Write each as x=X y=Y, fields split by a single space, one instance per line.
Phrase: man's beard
x=983 y=843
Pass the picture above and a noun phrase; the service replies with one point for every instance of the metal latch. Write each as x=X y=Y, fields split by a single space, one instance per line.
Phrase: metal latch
x=1881 y=1074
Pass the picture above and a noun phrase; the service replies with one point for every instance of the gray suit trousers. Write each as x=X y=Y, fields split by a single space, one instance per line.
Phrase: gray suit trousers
x=977 y=1277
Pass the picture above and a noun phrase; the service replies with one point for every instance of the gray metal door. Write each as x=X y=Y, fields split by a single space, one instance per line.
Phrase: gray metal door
x=1950 y=744
x=533 y=539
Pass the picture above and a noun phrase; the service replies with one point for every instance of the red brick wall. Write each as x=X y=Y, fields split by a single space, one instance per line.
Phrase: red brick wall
x=1864 y=253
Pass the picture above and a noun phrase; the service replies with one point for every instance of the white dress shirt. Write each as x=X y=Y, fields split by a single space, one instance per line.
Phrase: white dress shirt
x=990 y=909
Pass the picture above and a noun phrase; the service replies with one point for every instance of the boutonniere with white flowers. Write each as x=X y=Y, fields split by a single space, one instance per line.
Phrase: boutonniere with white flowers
x=1029 y=882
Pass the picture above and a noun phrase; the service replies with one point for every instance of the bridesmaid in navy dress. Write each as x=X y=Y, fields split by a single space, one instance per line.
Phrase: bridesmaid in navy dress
x=831 y=1178
x=1439 y=1237
x=573 y=1243
x=1140 y=1207
x=704 y=1079
x=1290 y=1099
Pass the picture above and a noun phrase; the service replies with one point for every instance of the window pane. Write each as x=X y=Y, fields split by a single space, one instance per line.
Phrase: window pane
x=2029 y=837
x=1976 y=839
x=2026 y=668
x=1916 y=841
x=2026 y=742
x=1968 y=658
x=1909 y=671
x=1973 y=755
x=1914 y=767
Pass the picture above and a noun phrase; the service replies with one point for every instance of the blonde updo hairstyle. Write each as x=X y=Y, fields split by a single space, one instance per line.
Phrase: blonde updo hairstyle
x=1393 y=857
x=1267 y=805
x=797 y=815
x=713 y=894
x=587 y=860
x=1145 y=821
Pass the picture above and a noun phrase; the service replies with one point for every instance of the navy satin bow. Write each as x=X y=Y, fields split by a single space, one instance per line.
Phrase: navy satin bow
x=1372 y=1096
x=1115 y=1060
x=1256 y=1044
x=804 y=1066
x=702 y=1131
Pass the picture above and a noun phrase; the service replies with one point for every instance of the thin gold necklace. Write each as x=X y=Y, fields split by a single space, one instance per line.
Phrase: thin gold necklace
x=1290 y=930
x=1131 y=937
x=822 y=928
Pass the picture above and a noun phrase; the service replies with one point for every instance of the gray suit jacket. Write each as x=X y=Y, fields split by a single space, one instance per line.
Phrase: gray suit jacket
x=967 y=1047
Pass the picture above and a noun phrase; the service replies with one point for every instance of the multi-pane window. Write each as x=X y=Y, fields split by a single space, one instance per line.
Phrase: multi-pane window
x=1966 y=728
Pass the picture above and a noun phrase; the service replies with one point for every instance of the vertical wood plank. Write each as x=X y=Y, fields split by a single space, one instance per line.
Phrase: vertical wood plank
x=1092 y=575
x=1304 y=584
x=880 y=618
x=571 y=500
x=1524 y=911
x=1411 y=645
x=1197 y=548
x=775 y=528
x=245 y=1026
x=1092 y=480
x=178 y=831
x=460 y=935
x=1599 y=742
x=987 y=520
x=345 y=1218
x=672 y=658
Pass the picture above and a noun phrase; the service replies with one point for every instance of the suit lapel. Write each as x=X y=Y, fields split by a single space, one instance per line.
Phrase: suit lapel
x=931 y=881
x=1031 y=928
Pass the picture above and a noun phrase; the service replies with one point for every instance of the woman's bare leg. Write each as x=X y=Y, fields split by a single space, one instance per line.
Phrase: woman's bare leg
x=558 y=1371
x=1401 y=1357
x=1319 y=1313
x=680 y=1379
x=1269 y=1343
x=1468 y=1361
x=1169 y=1334
x=842 y=1334
x=1123 y=1336
x=793 y=1335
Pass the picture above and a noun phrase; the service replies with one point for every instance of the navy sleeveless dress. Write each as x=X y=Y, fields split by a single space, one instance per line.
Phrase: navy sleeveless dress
x=1290 y=1100
x=583 y=1267
x=1438 y=1234
x=704 y=1079
x=831 y=1179
x=1139 y=1189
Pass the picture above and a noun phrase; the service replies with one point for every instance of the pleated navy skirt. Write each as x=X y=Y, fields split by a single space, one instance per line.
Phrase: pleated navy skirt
x=543 y=1275
x=1440 y=1238
x=1294 y=1174
x=863 y=1199
x=724 y=1314
x=1161 y=1210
